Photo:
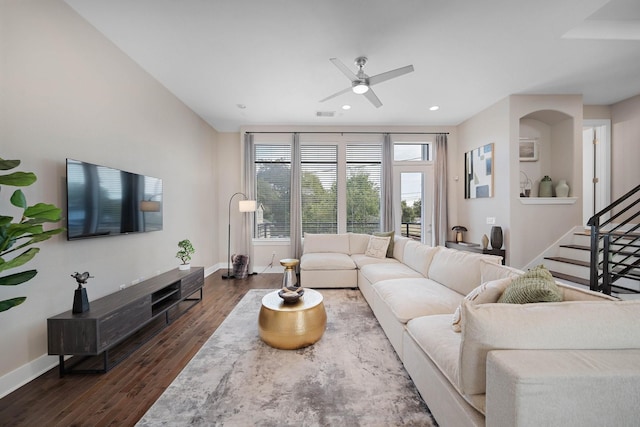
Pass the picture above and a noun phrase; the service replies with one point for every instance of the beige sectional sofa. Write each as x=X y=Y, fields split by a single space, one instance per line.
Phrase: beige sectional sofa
x=569 y=363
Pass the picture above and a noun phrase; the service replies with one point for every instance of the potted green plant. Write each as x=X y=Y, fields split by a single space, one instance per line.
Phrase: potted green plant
x=18 y=235
x=184 y=254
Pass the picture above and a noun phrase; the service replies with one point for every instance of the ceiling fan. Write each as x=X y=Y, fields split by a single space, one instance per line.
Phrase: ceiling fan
x=361 y=83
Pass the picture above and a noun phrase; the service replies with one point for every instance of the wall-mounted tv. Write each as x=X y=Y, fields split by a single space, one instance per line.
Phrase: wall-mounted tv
x=103 y=201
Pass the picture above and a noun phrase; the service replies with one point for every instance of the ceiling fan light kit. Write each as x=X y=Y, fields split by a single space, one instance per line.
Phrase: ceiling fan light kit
x=359 y=87
x=361 y=83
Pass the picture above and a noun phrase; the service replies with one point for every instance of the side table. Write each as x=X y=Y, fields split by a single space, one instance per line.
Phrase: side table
x=291 y=326
x=475 y=247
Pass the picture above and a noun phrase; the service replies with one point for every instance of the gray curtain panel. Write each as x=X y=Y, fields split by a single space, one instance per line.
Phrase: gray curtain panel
x=440 y=208
x=296 y=199
x=387 y=219
x=249 y=189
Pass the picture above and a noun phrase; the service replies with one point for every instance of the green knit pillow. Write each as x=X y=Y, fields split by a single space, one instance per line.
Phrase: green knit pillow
x=536 y=285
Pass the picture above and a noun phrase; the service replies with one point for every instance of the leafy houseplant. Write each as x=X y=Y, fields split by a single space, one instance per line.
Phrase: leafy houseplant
x=18 y=235
x=184 y=254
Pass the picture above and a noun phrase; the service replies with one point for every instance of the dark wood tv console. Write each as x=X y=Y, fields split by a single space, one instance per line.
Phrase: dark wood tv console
x=151 y=304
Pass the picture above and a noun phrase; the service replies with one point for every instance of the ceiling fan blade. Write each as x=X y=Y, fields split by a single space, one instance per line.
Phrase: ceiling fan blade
x=336 y=94
x=378 y=78
x=346 y=71
x=371 y=96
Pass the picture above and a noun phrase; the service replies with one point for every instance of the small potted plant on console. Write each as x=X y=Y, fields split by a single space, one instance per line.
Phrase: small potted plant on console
x=184 y=254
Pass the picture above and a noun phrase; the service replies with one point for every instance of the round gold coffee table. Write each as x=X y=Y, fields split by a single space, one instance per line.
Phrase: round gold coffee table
x=291 y=326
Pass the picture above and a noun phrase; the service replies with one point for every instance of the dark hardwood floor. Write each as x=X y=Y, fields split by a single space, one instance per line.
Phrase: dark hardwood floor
x=121 y=396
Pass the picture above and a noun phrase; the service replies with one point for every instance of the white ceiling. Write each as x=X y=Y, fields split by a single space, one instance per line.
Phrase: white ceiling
x=272 y=56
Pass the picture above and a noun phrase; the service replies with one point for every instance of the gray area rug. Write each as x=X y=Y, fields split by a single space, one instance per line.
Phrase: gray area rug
x=351 y=377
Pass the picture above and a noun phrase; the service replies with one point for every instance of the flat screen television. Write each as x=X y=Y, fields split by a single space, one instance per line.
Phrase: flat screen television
x=103 y=201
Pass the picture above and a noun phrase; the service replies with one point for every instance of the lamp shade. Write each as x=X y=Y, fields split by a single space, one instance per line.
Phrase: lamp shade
x=149 y=206
x=247 y=205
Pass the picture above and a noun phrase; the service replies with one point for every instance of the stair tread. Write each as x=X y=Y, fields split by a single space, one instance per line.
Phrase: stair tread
x=579 y=247
x=631 y=235
x=568 y=261
x=570 y=278
x=630 y=274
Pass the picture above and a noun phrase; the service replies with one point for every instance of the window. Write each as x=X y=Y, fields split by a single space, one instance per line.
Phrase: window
x=319 y=169
x=341 y=183
x=411 y=152
x=273 y=191
x=364 y=170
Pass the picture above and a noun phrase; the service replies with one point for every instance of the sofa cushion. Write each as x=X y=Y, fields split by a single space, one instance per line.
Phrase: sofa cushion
x=490 y=271
x=434 y=336
x=387 y=234
x=399 y=242
x=362 y=260
x=418 y=256
x=383 y=271
x=358 y=243
x=326 y=261
x=377 y=247
x=411 y=298
x=541 y=326
x=536 y=285
x=486 y=293
x=458 y=270
x=337 y=243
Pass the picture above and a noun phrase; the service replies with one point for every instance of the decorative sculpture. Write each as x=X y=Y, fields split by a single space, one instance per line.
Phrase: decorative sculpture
x=80 y=299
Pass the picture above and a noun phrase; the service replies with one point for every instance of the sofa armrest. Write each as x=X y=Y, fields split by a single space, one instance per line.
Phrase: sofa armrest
x=563 y=388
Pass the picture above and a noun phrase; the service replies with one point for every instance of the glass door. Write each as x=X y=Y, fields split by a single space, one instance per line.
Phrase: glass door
x=413 y=212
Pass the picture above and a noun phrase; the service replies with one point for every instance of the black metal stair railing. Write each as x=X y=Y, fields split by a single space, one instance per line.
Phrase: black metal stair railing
x=615 y=244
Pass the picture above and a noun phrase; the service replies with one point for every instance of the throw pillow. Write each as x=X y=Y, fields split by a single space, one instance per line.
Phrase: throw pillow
x=486 y=293
x=389 y=234
x=536 y=285
x=377 y=247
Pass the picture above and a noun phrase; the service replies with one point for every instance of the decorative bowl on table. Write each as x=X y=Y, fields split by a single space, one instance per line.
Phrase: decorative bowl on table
x=291 y=294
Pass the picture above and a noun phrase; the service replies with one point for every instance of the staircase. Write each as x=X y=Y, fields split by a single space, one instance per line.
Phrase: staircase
x=606 y=256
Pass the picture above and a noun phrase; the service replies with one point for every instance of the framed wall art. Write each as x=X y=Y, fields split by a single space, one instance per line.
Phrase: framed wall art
x=528 y=150
x=478 y=172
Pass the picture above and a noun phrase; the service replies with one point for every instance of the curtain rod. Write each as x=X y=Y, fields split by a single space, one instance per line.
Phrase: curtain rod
x=363 y=133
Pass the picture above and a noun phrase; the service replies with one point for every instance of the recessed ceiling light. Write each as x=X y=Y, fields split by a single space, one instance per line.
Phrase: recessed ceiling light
x=434 y=108
x=346 y=107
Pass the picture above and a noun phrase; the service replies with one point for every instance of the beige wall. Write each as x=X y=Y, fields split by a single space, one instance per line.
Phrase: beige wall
x=527 y=230
x=625 y=146
x=65 y=91
x=489 y=126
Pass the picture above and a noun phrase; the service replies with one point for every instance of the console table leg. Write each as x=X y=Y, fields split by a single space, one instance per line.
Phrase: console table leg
x=61 y=365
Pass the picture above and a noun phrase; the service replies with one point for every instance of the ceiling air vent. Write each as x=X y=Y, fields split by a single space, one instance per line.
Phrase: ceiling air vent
x=325 y=113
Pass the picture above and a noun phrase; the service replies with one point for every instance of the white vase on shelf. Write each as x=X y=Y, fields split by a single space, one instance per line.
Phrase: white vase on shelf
x=562 y=189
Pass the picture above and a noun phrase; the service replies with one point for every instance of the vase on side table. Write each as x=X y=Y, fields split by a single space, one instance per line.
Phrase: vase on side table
x=496 y=237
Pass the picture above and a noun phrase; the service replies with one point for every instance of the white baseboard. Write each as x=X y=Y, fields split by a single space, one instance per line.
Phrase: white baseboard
x=25 y=373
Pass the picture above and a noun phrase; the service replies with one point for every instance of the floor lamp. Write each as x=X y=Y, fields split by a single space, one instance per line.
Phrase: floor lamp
x=245 y=205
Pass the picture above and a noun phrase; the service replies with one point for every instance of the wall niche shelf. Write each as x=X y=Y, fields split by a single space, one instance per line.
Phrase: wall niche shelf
x=548 y=200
